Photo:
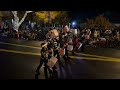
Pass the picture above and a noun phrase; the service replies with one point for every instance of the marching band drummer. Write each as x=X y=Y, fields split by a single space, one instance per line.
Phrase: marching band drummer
x=56 y=47
x=50 y=48
x=66 y=57
x=50 y=55
x=44 y=59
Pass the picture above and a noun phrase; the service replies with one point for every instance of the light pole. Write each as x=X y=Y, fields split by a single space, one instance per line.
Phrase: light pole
x=73 y=24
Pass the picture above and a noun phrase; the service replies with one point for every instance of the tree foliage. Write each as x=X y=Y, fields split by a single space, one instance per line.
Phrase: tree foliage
x=98 y=22
x=1 y=14
x=62 y=18
x=43 y=15
x=5 y=14
x=20 y=14
x=57 y=17
x=17 y=21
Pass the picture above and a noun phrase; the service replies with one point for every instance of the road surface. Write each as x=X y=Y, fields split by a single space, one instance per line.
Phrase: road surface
x=20 y=58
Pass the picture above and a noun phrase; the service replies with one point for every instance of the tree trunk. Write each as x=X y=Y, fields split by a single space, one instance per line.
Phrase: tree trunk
x=16 y=23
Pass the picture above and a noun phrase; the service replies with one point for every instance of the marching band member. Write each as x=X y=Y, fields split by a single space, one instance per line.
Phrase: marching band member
x=66 y=57
x=44 y=59
x=56 y=47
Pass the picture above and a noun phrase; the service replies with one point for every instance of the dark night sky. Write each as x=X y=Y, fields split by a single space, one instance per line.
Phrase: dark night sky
x=113 y=16
x=89 y=9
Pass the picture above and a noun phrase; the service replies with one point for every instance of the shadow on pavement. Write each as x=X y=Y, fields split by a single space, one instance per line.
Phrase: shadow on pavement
x=61 y=75
x=36 y=76
x=65 y=71
x=68 y=71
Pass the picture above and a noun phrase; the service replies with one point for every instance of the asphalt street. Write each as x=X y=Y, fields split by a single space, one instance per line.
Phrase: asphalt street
x=20 y=58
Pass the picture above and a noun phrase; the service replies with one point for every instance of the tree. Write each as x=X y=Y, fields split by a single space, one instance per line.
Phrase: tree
x=90 y=23
x=102 y=22
x=46 y=15
x=1 y=15
x=16 y=21
x=99 y=22
x=5 y=19
x=62 y=18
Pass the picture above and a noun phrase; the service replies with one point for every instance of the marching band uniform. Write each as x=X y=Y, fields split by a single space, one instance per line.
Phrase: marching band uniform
x=56 y=47
x=44 y=59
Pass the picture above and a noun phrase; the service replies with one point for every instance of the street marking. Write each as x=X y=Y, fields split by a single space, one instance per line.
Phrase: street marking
x=83 y=58
x=40 y=48
x=20 y=52
x=96 y=59
x=98 y=56
x=20 y=45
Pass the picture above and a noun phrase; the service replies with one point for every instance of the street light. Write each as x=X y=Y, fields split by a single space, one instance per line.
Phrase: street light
x=73 y=23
